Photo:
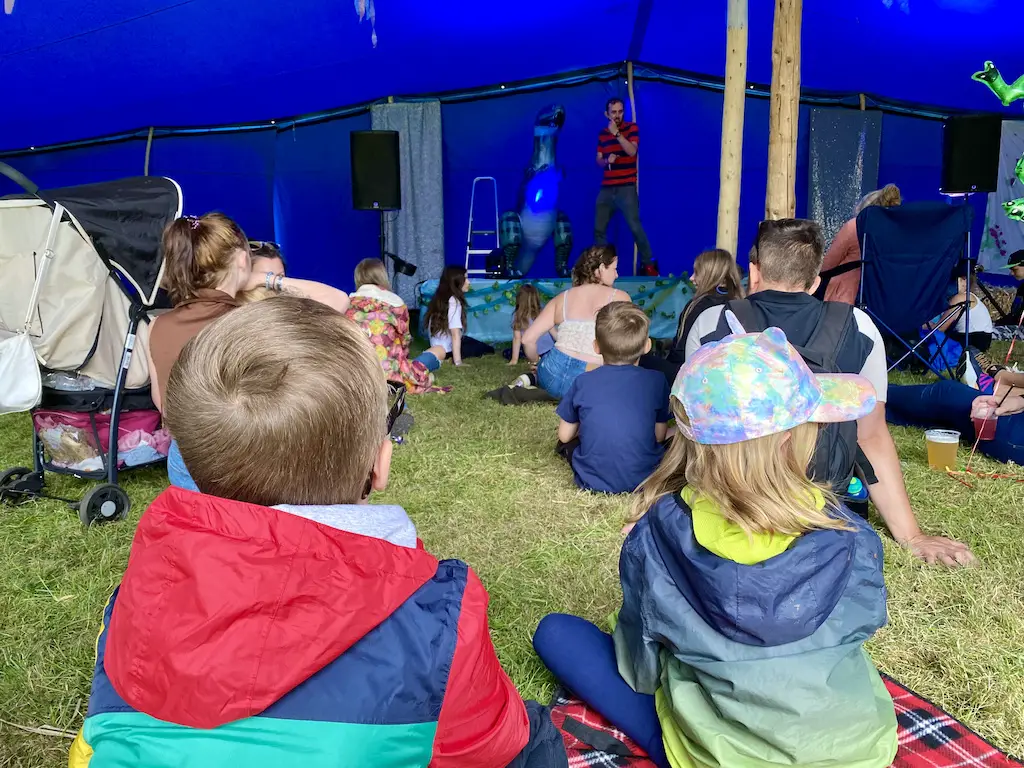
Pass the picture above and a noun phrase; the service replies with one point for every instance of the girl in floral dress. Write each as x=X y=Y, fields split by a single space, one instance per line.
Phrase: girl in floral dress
x=385 y=318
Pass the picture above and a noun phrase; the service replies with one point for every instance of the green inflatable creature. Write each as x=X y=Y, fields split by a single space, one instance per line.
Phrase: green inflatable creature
x=1005 y=92
x=1015 y=209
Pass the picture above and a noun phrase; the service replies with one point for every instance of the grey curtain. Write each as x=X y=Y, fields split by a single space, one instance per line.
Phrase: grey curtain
x=845 y=146
x=416 y=233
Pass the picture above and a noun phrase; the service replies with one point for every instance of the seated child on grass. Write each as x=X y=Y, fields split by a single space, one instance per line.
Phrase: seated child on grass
x=613 y=419
x=748 y=590
x=528 y=307
x=276 y=618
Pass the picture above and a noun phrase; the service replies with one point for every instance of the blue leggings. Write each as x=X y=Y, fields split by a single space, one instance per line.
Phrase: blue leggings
x=582 y=658
x=429 y=360
x=947 y=404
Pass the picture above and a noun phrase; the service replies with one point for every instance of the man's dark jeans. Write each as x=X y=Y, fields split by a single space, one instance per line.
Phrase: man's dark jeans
x=625 y=199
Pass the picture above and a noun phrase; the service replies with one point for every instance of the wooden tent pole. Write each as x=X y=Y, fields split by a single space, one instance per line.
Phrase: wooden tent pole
x=780 y=201
x=732 y=127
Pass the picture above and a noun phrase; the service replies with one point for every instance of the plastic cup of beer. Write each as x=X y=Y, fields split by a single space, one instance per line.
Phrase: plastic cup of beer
x=985 y=421
x=942 y=445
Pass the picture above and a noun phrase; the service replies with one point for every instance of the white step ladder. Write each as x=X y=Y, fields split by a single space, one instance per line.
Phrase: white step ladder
x=476 y=239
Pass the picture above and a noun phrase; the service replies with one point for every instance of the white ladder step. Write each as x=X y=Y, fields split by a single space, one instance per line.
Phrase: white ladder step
x=481 y=234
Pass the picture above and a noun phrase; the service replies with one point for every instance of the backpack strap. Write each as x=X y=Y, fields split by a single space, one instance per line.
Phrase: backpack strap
x=822 y=349
x=748 y=315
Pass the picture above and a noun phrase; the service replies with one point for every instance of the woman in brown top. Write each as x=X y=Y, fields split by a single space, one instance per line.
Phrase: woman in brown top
x=207 y=265
x=845 y=248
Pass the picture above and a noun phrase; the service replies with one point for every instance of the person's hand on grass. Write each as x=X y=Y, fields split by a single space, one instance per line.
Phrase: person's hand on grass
x=627 y=528
x=938 y=550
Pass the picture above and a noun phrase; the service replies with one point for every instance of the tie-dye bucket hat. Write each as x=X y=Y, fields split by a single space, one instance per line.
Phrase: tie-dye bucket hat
x=755 y=384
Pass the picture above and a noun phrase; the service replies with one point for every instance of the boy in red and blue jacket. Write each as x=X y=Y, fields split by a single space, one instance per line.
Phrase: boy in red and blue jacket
x=276 y=618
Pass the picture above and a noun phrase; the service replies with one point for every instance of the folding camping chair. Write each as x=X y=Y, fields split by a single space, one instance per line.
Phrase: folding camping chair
x=909 y=255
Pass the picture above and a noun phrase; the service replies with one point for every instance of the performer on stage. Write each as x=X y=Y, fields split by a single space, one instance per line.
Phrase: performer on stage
x=617 y=146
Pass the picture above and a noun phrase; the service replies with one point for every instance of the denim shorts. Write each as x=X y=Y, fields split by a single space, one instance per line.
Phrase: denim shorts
x=176 y=470
x=557 y=371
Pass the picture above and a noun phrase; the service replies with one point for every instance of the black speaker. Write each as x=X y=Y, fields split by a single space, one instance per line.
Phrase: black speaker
x=376 y=175
x=970 y=153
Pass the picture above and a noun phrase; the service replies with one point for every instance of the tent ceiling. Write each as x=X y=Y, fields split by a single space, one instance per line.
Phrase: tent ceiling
x=87 y=68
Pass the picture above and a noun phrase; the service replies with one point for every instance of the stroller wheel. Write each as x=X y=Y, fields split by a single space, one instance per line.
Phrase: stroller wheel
x=16 y=484
x=104 y=504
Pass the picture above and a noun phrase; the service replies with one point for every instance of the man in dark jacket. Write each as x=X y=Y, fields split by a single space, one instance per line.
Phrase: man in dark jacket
x=784 y=267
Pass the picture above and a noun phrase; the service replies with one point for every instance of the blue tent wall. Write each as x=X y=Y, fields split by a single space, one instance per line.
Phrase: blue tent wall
x=79 y=165
x=77 y=70
x=293 y=185
x=228 y=172
x=322 y=236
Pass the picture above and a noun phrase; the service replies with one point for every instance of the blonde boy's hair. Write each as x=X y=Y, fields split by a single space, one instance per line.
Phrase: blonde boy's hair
x=621 y=330
x=761 y=485
x=259 y=293
x=279 y=402
x=372 y=272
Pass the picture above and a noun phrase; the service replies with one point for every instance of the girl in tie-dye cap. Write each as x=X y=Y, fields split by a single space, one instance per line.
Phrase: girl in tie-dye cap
x=748 y=590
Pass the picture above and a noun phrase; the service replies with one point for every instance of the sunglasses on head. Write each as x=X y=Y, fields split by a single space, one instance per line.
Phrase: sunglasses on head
x=259 y=245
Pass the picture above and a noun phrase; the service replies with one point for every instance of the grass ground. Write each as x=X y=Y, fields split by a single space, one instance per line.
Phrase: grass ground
x=482 y=484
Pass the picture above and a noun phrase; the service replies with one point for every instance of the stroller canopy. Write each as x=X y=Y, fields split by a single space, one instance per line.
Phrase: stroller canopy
x=106 y=258
x=125 y=220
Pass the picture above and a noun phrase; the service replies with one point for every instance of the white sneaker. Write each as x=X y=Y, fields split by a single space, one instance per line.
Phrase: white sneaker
x=521 y=381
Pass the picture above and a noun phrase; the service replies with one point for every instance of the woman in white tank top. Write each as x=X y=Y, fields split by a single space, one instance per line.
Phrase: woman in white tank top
x=572 y=314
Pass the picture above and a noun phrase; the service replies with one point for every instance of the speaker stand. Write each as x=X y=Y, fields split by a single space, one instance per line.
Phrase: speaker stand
x=402 y=267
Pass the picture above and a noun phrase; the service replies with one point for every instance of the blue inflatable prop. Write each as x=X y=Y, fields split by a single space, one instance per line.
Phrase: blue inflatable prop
x=539 y=216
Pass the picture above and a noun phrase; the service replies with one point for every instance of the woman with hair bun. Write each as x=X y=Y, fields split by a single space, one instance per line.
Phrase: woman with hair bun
x=207 y=273
x=573 y=313
x=845 y=248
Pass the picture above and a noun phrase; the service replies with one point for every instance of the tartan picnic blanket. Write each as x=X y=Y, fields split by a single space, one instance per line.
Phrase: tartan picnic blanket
x=928 y=737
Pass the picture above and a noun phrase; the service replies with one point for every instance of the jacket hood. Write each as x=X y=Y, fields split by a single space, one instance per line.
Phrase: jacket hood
x=781 y=600
x=225 y=606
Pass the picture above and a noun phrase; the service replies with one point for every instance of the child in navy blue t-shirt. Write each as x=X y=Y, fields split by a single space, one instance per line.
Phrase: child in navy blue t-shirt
x=614 y=418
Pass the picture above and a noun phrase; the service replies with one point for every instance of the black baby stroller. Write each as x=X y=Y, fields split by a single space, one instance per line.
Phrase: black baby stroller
x=81 y=267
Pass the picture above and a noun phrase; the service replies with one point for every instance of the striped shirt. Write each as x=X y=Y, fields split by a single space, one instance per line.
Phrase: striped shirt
x=623 y=170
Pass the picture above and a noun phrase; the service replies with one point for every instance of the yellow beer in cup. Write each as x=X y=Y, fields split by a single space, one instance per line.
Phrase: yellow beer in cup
x=942 y=445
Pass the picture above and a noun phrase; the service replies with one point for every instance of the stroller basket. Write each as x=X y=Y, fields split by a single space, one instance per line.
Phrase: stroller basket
x=71 y=432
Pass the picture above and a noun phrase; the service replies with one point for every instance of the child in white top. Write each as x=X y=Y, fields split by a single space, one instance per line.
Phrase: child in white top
x=446 y=315
x=372 y=281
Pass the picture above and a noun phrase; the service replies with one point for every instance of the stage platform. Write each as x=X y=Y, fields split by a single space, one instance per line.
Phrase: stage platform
x=491 y=303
